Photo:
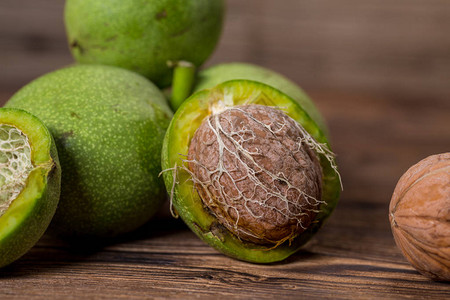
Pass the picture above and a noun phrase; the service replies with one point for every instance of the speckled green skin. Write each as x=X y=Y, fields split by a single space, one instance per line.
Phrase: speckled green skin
x=214 y=75
x=142 y=35
x=108 y=124
x=30 y=213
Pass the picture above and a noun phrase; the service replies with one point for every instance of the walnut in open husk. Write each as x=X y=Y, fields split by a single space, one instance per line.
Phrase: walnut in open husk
x=255 y=169
x=419 y=213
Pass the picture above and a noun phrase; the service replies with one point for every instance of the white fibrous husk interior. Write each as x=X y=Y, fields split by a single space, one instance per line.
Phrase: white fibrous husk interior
x=15 y=164
x=257 y=171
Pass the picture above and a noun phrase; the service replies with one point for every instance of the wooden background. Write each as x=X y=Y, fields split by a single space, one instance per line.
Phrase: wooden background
x=378 y=70
x=398 y=47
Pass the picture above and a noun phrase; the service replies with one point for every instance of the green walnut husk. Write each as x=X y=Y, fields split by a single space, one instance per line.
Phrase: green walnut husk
x=30 y=179
x=108 y=124
x=144 y=36
x=179 y=182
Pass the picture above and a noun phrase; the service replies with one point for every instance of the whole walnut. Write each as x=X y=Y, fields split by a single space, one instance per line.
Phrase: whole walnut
x=419 y=213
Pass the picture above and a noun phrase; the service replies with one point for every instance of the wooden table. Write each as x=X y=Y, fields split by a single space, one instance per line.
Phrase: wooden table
x=354 y=256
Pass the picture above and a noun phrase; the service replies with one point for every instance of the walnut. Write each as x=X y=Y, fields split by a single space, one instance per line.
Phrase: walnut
x=420 y=216
x=255 y=169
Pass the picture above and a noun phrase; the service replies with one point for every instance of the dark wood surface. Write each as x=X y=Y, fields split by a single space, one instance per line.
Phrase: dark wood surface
x=378 y=70
x=384 y=46
x=353 y=256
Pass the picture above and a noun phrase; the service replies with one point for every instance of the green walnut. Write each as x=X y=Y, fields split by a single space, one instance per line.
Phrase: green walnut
x=249 y=171
x=108 y=124
x=214 y=75
x=29 y=182
x=144 y=36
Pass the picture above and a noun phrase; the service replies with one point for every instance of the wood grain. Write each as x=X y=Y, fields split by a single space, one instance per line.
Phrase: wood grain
x=174 y=263
x=398 y=47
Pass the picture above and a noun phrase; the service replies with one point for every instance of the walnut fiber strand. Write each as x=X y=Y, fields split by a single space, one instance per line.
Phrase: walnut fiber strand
x=254 y=170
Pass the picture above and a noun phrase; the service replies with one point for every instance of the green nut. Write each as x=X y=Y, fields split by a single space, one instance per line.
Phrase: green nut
x=144 y=36
x=30 y=178
x=108 y=124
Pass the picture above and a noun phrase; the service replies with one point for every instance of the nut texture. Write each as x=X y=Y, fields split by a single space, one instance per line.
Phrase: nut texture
x=15 y=164
x=420 y=216
x=254 y=168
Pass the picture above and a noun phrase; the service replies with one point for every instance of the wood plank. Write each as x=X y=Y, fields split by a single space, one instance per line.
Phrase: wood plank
x=395 y=48
x=174 y=263
x=378 y=138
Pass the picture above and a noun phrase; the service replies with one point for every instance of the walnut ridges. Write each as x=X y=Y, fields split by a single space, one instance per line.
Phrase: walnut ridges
x=419 y=213
x=254 y=170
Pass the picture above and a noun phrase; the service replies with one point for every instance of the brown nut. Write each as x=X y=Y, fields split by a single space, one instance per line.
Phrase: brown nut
x=419 y=213
x=255 y=172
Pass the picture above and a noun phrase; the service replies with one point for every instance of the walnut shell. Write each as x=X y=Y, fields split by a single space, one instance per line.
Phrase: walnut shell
x=420 y=216
x=254 y=170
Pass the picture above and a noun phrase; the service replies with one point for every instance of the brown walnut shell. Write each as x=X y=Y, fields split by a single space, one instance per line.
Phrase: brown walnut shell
x=254 y=170
x=419 y=213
